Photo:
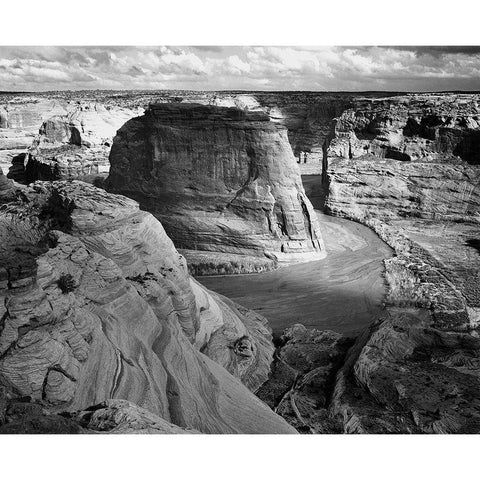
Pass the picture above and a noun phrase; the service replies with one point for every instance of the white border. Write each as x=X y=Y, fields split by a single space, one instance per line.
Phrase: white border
x=246 y=22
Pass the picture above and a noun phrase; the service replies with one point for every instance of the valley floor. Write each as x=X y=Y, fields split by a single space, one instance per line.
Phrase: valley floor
x=343 y=292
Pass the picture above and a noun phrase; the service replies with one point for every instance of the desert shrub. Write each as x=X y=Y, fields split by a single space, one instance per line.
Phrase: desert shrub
x=66 y=283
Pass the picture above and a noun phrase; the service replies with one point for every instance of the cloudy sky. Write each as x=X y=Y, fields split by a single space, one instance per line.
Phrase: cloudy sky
x=247 y=68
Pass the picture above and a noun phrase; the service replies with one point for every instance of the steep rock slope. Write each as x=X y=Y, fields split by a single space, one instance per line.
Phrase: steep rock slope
x=219 y=179
x=98 y=304
x=20 y=119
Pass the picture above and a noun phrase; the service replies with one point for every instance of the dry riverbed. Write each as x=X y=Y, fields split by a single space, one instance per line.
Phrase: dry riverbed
x=343 y=292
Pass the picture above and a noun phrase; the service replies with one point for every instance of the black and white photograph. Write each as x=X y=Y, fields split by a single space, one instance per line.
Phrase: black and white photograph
x=215 y=238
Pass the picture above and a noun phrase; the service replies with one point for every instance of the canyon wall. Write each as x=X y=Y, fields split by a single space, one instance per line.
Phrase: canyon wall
x=408 y=167
x=416 y=155
x=97 y=304
x=72 y=145
x=219 y=179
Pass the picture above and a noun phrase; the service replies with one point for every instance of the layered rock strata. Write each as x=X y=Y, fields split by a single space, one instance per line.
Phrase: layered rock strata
x=97 y=304
x=407 y=156
x=75 y=145
x=408 y=168
x=219 y=179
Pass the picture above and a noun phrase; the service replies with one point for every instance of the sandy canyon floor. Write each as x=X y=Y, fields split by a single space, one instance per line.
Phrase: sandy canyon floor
x=343 y=292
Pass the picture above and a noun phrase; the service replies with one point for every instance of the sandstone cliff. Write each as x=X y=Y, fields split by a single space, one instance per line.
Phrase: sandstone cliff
x=219 y=179
x=75 y=145
x=407 y=156
x=98 y=304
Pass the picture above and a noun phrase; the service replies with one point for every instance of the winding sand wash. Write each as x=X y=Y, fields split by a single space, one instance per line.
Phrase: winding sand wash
x=342 y=292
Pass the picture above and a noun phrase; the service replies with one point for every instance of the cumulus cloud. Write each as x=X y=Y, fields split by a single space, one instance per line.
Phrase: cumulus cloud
x=249 y=67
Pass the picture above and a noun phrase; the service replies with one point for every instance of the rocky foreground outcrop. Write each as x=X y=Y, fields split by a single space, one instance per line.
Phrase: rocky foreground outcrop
x=219 y=179
x=97 y=304
x=21 y=415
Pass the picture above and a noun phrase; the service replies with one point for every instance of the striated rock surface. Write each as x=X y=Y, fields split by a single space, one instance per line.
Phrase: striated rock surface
x=219 y=179
x=391 y=189
x=415 y=155
x=97 y=304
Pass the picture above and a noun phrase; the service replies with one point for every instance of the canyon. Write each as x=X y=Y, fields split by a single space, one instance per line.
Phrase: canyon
x=361 y=210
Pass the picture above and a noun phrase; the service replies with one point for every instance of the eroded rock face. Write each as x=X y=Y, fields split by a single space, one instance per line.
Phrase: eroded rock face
x=22 y=416
x=20 y=119
x=407 y=156
x=408 y=168
x=97 y=304
x=406 y=375
x=75 y=145
x=6 y=187
x=219 y=179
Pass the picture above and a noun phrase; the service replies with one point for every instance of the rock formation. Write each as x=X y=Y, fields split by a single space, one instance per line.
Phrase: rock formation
x=75 y=145
x=407 y=156
x=303 y=376
x=20 y=119
x=97 y=304
x=219 y=179
x=6 y=188
x=408 y=168
x=22 y=416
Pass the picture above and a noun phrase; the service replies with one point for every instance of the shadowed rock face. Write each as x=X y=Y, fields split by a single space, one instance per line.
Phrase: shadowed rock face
x=22 y=416
x=219 y=179
x=303 y=376
x=98 y=304
x=6 y=187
